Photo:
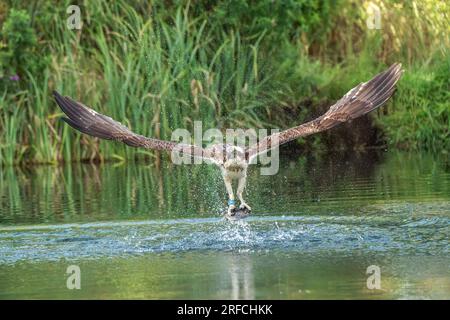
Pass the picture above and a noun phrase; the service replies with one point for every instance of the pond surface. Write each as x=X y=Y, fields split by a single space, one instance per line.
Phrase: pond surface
x=136 y=231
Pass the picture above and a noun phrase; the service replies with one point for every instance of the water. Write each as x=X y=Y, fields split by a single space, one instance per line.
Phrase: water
x=140 y=232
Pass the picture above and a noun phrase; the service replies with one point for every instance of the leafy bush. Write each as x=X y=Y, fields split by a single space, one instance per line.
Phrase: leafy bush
x=278 y=19
x=19 y=45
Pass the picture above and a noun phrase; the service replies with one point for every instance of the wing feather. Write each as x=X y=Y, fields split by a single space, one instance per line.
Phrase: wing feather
x=360 y=100
x=88 y=121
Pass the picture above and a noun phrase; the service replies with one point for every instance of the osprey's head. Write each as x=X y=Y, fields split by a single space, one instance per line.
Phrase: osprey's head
x=234 y=157
x=228 y=156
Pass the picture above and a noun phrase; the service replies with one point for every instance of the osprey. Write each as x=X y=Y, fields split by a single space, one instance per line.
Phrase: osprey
x=232 y=160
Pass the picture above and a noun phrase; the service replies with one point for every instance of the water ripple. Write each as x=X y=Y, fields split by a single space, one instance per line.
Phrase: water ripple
x=306 y=234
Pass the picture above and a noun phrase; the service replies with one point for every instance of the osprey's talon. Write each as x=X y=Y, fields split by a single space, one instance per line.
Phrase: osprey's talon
x=231 y=210
x=231 y=207
x=245 y=206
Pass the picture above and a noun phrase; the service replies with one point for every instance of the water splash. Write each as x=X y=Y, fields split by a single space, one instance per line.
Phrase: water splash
x=346 y=235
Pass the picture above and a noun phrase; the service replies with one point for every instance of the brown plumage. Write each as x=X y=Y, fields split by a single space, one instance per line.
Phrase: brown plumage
x=360 y=100
x=233 y=161
x=88 y=121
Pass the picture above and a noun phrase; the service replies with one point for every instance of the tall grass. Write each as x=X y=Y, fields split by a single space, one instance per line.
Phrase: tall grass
x=12 y=119
x=149 y=67
x=415 y=121
x=157 y=69
x=142 y=71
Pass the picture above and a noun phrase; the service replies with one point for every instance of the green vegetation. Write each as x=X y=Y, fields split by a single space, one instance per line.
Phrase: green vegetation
x=157 y=67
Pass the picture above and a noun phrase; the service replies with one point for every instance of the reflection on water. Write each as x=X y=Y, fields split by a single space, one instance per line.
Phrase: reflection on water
x=139 y=232
x=240 y=270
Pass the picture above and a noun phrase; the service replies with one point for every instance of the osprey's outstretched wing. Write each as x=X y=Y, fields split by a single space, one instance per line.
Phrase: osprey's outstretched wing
x=98 y=125
x=362 y=99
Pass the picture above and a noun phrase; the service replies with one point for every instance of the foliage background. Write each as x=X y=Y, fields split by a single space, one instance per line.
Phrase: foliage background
x=160 y=65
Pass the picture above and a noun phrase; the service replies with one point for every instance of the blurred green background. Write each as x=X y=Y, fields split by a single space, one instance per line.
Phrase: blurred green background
x=160 y=65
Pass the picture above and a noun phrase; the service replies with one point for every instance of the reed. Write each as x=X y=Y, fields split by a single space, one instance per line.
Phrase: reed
x=158 y=68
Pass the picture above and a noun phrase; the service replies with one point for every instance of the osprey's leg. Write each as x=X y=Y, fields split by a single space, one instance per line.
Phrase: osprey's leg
x=231 y=201
x=240 y=189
